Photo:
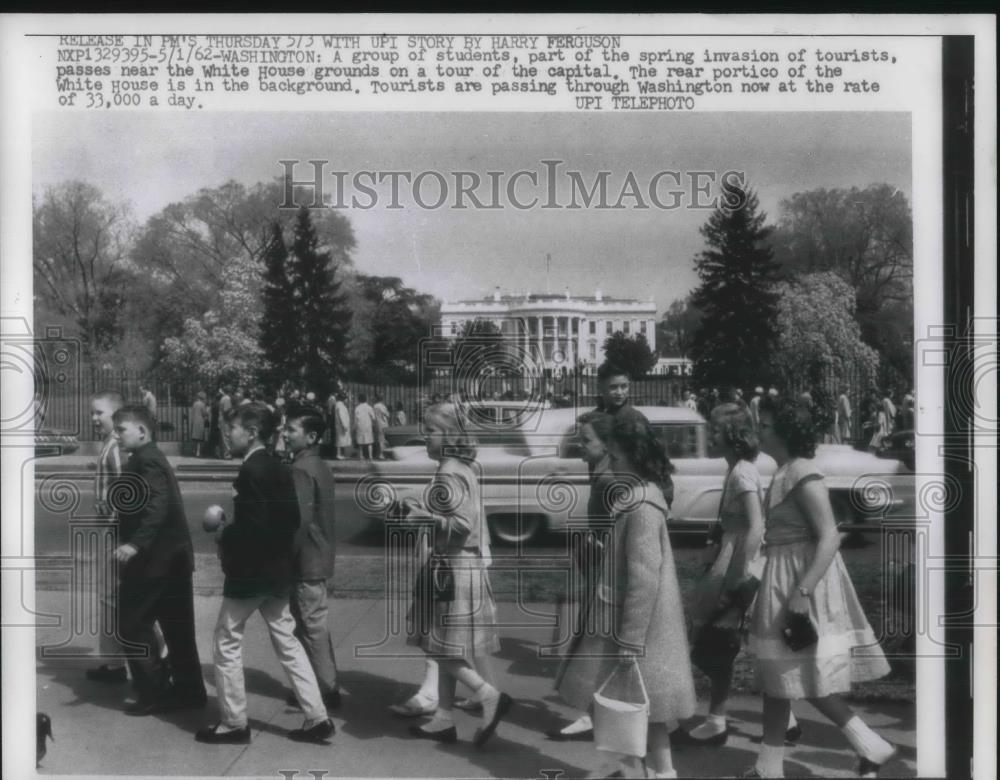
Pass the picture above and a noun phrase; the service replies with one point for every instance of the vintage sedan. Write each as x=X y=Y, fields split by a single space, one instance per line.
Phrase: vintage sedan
x=533 y=479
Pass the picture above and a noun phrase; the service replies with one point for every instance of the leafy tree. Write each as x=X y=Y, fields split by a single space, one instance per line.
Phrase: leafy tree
x=80 y=261
x=279 y=328
x=733 y=345
x=390 y=319
x=820 y=339
x=319 y=351
x=675 y=331
x=865 y=236
x=632 y=353
x=222 y=345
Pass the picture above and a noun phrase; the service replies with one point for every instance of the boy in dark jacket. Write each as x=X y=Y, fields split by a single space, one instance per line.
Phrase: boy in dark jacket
x=257 y=556
x=156 y=563
x=314 y=546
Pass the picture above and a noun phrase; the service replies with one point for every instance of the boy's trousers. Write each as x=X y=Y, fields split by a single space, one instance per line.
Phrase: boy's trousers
x=309 y=609
x=229 y=680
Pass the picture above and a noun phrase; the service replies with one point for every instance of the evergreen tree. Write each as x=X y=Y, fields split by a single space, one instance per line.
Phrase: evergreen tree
x=279 y=329
x=322 y=316
x=631 y=353
x=737 y=297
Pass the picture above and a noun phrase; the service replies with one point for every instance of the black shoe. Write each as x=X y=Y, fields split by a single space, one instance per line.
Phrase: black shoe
x=145 y=707
x=448 y=736
x=331 y=700
x=794 y=734
x=108 y=674
x=213 y=736
x=318 y=734
x=558 y=735
x=487 y=731
x=868 y=768
x=714 y=741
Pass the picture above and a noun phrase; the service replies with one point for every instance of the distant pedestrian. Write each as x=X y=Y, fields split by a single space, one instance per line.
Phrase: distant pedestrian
x=889 y=409
x=691 y=402
x=399 y=416
x=342 y=423
x=200 y=423
x=754 y=406
x=844 y=416
x=907 y=415
x=225 y=405
x=364 y=426
x=149 y=401
x=381 y=423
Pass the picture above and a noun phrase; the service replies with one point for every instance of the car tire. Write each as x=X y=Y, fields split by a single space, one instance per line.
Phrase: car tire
x=511 y=529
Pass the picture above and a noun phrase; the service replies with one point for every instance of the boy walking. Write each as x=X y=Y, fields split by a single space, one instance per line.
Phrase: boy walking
x=314 y=547
x=109 y=466
x=257 y=551
x=156 y=562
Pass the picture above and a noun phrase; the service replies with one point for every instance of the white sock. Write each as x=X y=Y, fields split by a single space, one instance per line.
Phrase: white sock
x=222 y=728
x=771 y=760
x=710 y=727
x=489 y=697
x=866 y=742
x=442 y=720
x=583 y=723
x=429 y=687
x=792 y=723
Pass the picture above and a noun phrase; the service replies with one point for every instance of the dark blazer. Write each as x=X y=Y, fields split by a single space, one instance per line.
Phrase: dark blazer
x=151 y=516
x=314 y=542
x=257 y=546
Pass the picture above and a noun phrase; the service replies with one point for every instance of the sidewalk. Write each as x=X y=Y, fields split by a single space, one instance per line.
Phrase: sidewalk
x=94 y=737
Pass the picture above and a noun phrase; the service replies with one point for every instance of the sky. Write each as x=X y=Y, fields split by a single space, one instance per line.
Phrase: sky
x=151 y=159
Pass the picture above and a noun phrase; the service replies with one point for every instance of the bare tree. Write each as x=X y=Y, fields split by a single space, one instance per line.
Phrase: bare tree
x=80 y=258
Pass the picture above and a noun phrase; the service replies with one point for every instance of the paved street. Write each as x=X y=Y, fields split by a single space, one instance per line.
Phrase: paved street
x=94 y=737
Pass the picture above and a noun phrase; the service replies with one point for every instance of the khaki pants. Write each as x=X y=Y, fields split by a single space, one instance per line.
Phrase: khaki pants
x=309 y=609
x=228 y=657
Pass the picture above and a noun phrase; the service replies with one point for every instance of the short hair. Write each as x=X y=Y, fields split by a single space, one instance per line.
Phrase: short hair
x=458 y=442
x=607 y=369
x=309 y=417
x=138 y=414
x=254 y=415
x=737 y=428
x=601 y=422
x=111 y=396
x=362 y=398
x=794 y=425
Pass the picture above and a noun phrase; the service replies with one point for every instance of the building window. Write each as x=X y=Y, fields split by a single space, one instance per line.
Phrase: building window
x=576 y=326
x=626 y=326
x=642 y=327
x=593 y=328
x=454 y=328
x=593 y=353
x=609 y=327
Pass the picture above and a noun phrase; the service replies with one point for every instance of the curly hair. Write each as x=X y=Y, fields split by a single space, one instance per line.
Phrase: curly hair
x=794 y=425
x=639 y=443
x=601 y=422
x=737 y=428
x=458 y=442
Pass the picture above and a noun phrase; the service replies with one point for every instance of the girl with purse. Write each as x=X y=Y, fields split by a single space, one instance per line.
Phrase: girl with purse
x=727 y=588
x=809 y=633
x=638 y=605
x=454 y=615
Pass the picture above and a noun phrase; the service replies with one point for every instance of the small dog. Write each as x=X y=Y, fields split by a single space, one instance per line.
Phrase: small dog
x=43 y=729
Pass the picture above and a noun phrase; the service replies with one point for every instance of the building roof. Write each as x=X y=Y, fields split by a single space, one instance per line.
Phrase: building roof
x=553 y=297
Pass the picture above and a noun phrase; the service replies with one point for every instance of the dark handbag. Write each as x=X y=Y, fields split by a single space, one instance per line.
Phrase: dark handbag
x=435 y=582
x=799 y=632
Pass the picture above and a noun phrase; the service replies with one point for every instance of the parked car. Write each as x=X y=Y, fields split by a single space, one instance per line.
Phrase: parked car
x=901 y=445
x=50 y=442
x=533 y=479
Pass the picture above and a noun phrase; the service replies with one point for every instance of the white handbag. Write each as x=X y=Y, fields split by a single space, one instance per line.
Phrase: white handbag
x=621 y=726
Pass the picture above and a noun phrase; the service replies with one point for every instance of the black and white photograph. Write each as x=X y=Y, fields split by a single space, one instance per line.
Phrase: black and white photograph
x=472 y=404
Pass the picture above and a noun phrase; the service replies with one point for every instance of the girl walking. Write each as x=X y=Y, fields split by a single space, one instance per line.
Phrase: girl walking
x=806 y=601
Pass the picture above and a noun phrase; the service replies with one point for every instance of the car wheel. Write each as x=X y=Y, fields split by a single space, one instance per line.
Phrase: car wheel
x=515 y=529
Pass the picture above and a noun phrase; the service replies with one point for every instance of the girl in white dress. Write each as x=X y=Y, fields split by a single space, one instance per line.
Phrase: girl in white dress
x=806 y=576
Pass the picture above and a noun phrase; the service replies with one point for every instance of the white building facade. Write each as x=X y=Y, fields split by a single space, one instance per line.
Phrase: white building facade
x=562 y=330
